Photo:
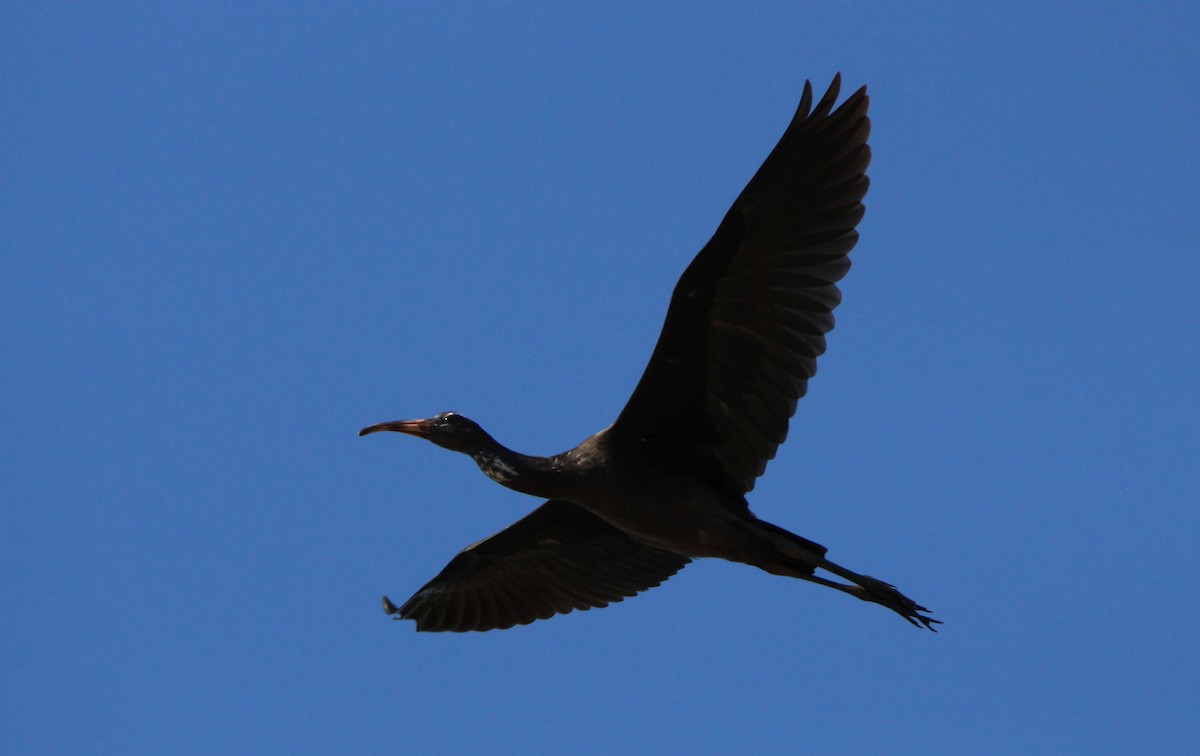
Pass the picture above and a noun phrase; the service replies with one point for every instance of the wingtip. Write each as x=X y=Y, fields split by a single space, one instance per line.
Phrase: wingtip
x=835 y=87
x=805 y=102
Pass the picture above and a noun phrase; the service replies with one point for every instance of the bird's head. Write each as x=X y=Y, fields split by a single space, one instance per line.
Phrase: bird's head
x=448 y=430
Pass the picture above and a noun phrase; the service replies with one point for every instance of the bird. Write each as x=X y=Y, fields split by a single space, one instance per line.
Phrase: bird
x=666 y=482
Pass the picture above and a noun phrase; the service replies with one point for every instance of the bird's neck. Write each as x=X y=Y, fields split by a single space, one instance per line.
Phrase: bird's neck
x=550 y=477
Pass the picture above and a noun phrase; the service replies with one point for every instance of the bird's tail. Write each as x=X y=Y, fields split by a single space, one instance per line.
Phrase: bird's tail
x=803 y=555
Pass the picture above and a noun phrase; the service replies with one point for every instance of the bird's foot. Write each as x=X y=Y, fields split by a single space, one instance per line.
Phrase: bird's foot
x=886 y=594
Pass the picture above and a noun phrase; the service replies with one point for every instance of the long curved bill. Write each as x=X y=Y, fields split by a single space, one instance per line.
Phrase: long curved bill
x=419 y=428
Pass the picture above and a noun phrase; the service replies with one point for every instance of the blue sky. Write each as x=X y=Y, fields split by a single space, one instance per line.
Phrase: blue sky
x=235 y=233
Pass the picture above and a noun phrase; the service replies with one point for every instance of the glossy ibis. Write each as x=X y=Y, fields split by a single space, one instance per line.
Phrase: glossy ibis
x=666 y=482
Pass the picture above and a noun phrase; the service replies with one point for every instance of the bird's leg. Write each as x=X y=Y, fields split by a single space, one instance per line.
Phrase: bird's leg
x=870 y=589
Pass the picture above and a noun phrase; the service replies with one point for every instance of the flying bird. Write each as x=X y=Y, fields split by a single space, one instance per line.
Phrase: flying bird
x=667 y=481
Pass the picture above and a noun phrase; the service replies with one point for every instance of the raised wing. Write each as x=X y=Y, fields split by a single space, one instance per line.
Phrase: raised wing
x=748 y=317
x=558 y=558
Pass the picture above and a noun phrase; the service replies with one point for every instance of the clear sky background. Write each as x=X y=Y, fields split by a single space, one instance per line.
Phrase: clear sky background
x=235 y=233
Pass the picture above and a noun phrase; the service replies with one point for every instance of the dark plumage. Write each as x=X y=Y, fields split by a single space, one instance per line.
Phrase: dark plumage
x=633 y=504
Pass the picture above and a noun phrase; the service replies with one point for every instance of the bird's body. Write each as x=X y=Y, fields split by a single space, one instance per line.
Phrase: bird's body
x=636 y=494
x=666 y=483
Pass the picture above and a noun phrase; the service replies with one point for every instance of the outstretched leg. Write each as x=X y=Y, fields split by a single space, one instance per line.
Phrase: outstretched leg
x=781 y=552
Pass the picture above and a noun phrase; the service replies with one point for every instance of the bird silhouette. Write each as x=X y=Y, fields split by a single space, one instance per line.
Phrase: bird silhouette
x=667 y=482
